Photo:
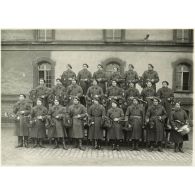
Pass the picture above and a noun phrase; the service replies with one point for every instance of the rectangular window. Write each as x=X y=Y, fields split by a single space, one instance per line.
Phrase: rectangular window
x=183 y=35
x=113 y=35
x=45 y=35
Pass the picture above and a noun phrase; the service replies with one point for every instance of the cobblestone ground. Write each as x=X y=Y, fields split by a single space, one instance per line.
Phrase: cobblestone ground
x=106 y=157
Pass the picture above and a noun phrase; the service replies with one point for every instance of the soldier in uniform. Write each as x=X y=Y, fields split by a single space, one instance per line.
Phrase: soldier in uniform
x=150 y=75
x=59 y=92
x=41 y=92
x=147 y=95
x=131 y=76
x=57 y=113
x=84 y=78
x=74 y=90
x=178 y=119
x=115 y=133
x=100 y=76
x=96 y=114
x=77 y=112
x=114 y=92
x=93 y=91
x=67 y=76
x=38 y=119
x=135 y=117
x=116 y=75
x=167 y=96
x=131 y=93
x=155 y=117
x=22 y=110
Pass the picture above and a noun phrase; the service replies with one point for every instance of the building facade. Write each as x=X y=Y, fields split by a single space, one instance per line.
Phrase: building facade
x=28 y=55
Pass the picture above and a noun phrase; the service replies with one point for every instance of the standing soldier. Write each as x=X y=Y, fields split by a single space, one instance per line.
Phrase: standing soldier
x=115 y=133
x=100 y=76
x=131 y=76
x=150 y=75
x=116 y=75
x=84 y=78
x=155 y=117
x=67 y=76
x=114 y=92
x=73 y=91
x=93 y=91
x=38 y=116
x=167 y=96
x=57 y=113
x=59 y=92
x=22 y=110
x=131 y=93
x=77 y=112
x=96 y=114
x=178 y=119
x=135 y=117
x=40 y=92
x=147 y=94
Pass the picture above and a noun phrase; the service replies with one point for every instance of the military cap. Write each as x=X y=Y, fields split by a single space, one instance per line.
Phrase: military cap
x=100 y=65
x=69 y=66
x=96 y=99
x=156 y=98
x=131 y=65
x=114 y=101
x=77 y=98
x=58 y=79
x=86 y=65
x=22 y=95
x=151 y=65
x=136 y=98
x=165 y=82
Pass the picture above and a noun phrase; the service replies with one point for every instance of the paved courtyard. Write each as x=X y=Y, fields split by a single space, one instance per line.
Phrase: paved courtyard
x=106 y=157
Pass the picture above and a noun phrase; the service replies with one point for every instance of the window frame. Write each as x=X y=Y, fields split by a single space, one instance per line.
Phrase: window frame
x=36 y=63
x=189 y=64
x=107 y=39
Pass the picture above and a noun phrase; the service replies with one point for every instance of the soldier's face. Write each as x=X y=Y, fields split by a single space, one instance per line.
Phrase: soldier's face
x=94 y=82
x=95 y=101
x=115 y=69
x=21 y=97
x=149 y=84
x=135 y=101
x=56 y=102
x=84 y=67
x=113 y=83
x=177 y=106
x=76 y=101
x=164 y=84
x=39 y=102
x=58 y=82
x=99 y=68
x=114 y=105
x=155 y=102
x=73 y=82
x=41 y=82
x=130 y=68
x=150 y=67
x=131 y=85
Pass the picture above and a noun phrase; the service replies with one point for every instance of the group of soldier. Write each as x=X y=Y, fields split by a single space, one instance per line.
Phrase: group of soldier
x=99 y=108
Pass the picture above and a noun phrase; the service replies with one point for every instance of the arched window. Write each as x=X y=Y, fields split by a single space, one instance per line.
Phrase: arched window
x=110 y=63
x=44 y=72
x=182 y=77
x=44 y=68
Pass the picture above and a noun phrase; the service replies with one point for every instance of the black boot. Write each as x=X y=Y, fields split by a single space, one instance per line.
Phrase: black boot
x=35 y=145
x=133 y=145
x=181 y=147
x=117 y=147
x=76 y=145
x=56 y=144
x=137 y=145
x=26 y=141
x=151 y=148
x=176 y=149
x=20 y=142
x=64 y=145
x=160 y=147
x=80 y=145
x=41 y=143
x=99 y=145
x=95 y=144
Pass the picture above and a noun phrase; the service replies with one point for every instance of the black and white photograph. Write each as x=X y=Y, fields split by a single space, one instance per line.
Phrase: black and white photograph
x=97 y=97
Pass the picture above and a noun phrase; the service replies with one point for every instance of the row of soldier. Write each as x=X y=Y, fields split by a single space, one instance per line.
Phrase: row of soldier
x=120 y=112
